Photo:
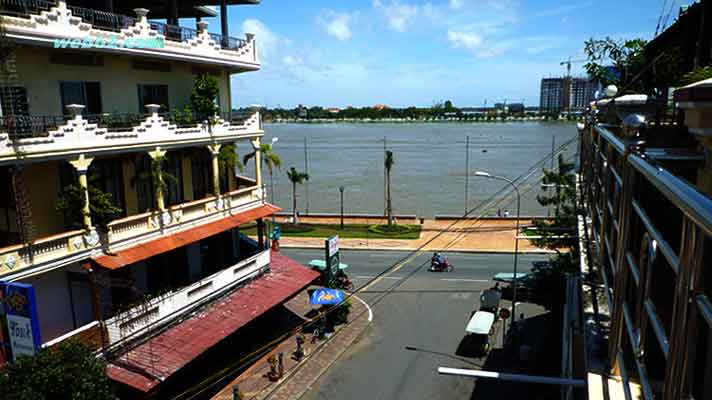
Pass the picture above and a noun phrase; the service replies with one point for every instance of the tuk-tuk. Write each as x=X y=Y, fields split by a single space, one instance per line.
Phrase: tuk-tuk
x=482 y=328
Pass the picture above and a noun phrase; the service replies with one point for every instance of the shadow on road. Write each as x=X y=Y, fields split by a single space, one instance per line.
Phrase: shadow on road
x=543 y=334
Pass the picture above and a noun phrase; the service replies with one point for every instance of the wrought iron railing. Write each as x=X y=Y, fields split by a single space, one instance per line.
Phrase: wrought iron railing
x=116 y=122
x=102 y=19
x=25 y=8
x=173 y=32
x=228 y=42
x=26 y=126
x=236 y=117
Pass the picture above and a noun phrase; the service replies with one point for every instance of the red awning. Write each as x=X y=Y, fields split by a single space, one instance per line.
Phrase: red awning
x=157 y=359
x=173 y=241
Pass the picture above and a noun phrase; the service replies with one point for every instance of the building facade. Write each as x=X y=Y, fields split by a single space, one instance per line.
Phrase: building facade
x=565 y=94
x=120 y=205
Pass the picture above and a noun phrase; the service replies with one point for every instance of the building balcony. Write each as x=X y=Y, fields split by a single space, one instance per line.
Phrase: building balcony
x=27 y=138
x=62 y=249
x=52 y=23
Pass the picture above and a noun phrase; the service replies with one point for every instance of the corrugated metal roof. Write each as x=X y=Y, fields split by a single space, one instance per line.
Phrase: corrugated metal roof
x=155 y=360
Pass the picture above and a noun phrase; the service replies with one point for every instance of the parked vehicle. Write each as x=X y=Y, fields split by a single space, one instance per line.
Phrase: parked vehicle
x=438 y=263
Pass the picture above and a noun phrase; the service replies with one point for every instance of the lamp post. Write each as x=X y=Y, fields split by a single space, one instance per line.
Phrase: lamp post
x=516 y=241
x=341 y=189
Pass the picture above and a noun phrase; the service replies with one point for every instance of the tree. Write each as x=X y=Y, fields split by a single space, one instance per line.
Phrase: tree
x=204 y=96
x=389 y=165
x=72 y=200
x=296 y=177
x=270 y=160
x=615 y=62
x=70 y=371
x=558 y=234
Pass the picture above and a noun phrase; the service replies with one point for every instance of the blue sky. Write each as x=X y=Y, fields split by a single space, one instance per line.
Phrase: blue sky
x=410 y=52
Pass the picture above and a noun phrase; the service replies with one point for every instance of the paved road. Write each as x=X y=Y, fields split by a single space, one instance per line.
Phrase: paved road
x=427 y=310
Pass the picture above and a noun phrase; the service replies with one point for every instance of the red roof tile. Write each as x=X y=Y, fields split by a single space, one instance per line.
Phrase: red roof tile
x=155 y=360
x=173 y=241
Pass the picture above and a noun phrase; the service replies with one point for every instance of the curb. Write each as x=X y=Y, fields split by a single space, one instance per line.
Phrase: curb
x=268 y=392
x=362 y=248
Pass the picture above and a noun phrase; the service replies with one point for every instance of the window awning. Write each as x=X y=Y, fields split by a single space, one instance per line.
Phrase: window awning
x=152 y=362
x=175 y=240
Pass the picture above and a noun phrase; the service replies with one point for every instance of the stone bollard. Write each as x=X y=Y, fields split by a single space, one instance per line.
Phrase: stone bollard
x=280 y=365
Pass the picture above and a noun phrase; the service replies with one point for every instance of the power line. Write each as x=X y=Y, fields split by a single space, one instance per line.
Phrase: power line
x=662 y=11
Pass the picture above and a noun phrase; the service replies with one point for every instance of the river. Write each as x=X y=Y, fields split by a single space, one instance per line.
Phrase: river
x=428 y=177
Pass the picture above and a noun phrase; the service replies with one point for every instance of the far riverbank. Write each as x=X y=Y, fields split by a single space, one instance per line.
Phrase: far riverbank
x=414 y=121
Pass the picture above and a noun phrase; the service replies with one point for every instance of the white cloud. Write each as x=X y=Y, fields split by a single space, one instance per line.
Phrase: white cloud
x=467 y=40
x=398 y=15
x=456 y=4
x=268 y=41
x=337 y=24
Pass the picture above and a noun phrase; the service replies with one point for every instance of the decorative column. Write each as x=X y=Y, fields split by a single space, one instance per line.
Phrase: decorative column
x=160 y=202
x=81 y=164
x=258 y=161
x=141 y=14
x=214 y=153
x=153 y=109
x=75 y=110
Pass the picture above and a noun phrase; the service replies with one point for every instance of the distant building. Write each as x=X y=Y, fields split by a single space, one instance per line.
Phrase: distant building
x=333 y=110
x=380 y=107
x=515 y=108
x=302 y=111
x=561 y=94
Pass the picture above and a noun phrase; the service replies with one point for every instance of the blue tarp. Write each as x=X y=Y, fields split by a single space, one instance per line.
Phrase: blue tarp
x=326 y=296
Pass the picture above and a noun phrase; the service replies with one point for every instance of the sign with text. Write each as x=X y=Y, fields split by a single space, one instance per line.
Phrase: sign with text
x=332 y=257
x=21 y=314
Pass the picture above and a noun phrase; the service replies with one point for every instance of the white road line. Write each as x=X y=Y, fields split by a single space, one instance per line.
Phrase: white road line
x=463 y=280
x=370 y=312
x=371 y=277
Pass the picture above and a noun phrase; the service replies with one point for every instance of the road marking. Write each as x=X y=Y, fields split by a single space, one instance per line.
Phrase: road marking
x=372 y=276
x=370 y=312
x=463 y=280
x=396 y=269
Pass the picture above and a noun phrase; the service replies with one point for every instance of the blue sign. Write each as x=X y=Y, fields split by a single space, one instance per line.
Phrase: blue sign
x=326 y=296
x=276 y=233
x=22 y=322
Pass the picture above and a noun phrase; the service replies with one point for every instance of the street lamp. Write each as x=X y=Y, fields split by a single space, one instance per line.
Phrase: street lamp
x=341 y=189
x=516 y=241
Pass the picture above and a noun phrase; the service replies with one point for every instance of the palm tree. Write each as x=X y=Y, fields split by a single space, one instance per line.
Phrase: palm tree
x=389 y=164
x=296 y=177
x=270 y=159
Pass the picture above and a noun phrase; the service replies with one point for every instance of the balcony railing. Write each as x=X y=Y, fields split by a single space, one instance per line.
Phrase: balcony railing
x=116 y=122
x=76 y=245
x=25 y=8
x=102 y=19
x=228 y=42
x=173 y=32
x=171 y=306
x=25 y=126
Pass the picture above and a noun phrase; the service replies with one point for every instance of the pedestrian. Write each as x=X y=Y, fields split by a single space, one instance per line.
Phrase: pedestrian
x=499 y=212
x=506 y=213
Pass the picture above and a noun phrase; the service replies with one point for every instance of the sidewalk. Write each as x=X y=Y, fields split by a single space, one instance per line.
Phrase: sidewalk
x=480 y=236
x=298 y=376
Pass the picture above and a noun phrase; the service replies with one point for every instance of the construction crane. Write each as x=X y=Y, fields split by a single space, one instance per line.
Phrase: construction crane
x=568 y=63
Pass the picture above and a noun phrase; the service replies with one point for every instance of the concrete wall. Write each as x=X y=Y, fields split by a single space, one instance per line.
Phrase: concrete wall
x=119 y=80
x=42 y=183
x=53 y=302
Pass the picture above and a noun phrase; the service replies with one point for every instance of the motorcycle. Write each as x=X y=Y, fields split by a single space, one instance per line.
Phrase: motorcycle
x=440 y=264
x=344 y=282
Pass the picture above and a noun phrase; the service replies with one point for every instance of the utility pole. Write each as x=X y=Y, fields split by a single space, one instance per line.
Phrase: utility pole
x=341 y=189
x=467 y=170
x=306 y=171
x=385 y=189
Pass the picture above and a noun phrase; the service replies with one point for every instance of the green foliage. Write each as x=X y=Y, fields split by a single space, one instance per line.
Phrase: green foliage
x=696 y=75
x=341 y=314
x=227 y=158
x=70 y=371
x=296 y=177
x=71 y=203
x=205 y=92
x=548 y=284
x=184 y=118
x=269 y=157
x=395 y=230
x=626 y=56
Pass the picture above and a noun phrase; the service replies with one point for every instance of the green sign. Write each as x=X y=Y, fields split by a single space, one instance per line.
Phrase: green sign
x=332 y=258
